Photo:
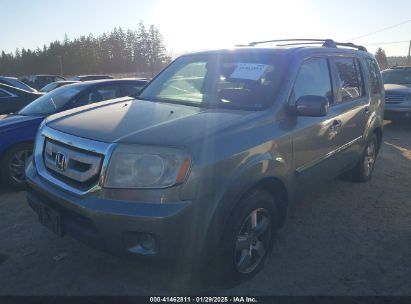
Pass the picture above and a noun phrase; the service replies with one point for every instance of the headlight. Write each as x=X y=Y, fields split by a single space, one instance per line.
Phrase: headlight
x=133 y=166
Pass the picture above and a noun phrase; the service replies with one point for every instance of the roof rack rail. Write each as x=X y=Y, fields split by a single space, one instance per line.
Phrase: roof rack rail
x=324 y=42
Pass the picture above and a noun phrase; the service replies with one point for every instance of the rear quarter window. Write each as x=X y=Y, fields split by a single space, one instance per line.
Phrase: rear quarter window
x=375 y=76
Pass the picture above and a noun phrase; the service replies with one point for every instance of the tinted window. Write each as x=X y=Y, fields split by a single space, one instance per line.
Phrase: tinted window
x=375 y=76
x=100 y=94
x=4 y=94
x=314 y=79
x=18 y=84
x=49 y=87
x=349 y=77
x=132 y=89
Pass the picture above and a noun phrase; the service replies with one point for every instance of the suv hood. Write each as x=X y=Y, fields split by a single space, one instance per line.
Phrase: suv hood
x=397 y=89
x=144 y=122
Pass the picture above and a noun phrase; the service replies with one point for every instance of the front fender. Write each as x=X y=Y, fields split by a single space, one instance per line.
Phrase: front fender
x=250 y=171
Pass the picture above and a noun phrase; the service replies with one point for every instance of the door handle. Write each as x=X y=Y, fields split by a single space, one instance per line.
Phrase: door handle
x=336 y=124
x=367 y=111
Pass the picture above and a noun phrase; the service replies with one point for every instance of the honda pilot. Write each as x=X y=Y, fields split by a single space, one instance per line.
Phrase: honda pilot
x=202 y=166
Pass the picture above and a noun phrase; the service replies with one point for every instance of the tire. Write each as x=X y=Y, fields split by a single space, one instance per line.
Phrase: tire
x=13 y=163
x=362 y=172
x=248 y=238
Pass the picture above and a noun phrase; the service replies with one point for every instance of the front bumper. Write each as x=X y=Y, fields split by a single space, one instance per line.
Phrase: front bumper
x=401 y=110
x=113 y=225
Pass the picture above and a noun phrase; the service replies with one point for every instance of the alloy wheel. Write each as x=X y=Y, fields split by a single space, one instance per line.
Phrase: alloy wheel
x=252 y=241
x=369 y=159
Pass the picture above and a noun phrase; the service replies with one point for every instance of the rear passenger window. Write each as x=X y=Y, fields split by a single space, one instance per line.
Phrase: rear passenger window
x=350 y=82
x=314 y=79
x=375 y=76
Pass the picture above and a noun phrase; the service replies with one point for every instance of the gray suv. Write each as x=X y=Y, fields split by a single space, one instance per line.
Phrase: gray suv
x=202 y=166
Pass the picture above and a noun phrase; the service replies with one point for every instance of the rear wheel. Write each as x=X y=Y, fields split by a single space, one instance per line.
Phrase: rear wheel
x=13 y=165
x=362 y=172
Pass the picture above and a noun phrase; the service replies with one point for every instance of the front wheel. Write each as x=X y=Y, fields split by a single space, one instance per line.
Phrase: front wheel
x=13 y=165
x=248 y=237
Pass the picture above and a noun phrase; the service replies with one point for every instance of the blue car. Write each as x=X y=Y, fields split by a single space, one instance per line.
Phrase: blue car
x=18 y=131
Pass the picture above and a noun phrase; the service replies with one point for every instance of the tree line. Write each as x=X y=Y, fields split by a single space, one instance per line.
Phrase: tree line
x=119 y=51
x=386 y=62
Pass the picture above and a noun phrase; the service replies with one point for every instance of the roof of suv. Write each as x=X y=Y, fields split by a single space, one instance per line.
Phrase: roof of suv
x=289 y=46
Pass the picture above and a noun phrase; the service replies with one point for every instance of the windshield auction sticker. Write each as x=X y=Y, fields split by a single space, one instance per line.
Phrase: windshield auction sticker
x=249 y=71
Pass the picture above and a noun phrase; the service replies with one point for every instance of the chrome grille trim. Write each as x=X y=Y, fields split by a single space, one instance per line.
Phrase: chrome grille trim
x=46 y=134
x=73 y=157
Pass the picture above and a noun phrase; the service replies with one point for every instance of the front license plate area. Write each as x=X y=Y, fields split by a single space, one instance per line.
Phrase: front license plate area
x=51 y=219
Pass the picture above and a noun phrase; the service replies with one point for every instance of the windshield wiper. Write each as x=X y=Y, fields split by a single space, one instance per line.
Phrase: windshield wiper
x=178 y=102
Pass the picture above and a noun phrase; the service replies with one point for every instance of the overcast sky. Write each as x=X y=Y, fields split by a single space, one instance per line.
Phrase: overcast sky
x=188 y=25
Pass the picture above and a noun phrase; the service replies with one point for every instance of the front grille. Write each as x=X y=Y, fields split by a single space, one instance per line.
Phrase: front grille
x=73 y=166
x=394 y=98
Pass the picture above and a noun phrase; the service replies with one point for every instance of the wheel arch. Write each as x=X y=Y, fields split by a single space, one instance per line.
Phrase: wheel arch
x=11 y=146
x=378 y=132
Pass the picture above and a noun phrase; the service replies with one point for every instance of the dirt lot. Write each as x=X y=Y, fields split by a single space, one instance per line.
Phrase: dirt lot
x=350 y=239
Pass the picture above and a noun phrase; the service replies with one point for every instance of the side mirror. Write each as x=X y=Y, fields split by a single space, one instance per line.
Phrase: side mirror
x=312 y=105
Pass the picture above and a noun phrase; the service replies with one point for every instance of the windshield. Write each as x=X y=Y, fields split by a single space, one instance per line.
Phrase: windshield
x=51 y=102
x=245 y=81
x=396 y=77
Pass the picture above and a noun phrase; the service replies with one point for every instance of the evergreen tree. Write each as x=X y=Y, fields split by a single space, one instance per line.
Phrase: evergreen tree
x=381 y=59
x=118 y=51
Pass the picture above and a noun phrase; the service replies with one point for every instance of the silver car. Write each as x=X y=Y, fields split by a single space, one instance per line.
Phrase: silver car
x=397 y=84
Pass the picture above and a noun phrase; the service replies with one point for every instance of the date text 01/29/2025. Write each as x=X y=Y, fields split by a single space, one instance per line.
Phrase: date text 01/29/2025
x=203 y=300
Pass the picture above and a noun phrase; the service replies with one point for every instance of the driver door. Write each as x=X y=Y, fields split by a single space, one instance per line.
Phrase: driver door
x=316 y=139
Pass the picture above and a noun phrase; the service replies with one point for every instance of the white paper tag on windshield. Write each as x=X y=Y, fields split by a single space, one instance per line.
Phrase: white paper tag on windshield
x=249 y=71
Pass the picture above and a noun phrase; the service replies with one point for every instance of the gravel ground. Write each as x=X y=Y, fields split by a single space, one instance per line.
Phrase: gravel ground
x=348 y=239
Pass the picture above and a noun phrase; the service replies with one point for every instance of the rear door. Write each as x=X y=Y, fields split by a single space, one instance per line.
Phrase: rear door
x=352 y=104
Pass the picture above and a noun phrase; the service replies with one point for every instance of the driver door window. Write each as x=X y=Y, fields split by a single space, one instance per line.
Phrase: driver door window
x=314 y=79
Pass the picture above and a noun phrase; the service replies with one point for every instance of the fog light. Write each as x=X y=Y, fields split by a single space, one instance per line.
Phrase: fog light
x=147 y=242
x=141 y=243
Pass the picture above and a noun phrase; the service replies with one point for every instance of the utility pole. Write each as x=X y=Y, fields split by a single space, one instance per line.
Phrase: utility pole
x=61 y=64
x=409 y=53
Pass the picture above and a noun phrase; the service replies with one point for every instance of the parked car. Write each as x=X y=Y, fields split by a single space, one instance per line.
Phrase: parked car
x=12 y=81
x=397 y=84
x=202 y=166
x=13 y=99
x=19 y=130
x=91 y=77
x=40 y=81
x=54 y=85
